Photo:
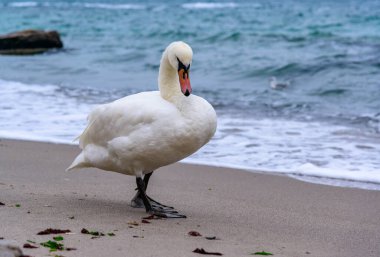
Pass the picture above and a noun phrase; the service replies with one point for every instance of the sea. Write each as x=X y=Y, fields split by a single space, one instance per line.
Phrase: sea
x=324 y=127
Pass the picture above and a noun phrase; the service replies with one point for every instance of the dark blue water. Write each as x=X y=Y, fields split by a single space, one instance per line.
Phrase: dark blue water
x=325 y=123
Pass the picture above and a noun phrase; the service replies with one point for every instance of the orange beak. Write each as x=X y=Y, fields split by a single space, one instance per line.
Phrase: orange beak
x=184 y=81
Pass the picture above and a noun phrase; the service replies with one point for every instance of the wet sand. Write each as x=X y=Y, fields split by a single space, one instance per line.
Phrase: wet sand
x=248 y=212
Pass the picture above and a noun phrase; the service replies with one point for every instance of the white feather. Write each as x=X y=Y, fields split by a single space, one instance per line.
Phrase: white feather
x=142 y=132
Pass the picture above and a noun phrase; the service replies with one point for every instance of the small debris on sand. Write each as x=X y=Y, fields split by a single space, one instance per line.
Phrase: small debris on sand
x=212 y=238
x=49 y=231
x=133 y=223
x=203 y=251
x=194 y=233
x=54 y=246
x=58 y=238
x=29 y=246
x=262 y=253
x=152 y=217
x=94 y=233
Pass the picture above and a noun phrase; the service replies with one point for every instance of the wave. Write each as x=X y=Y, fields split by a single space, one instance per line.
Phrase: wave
x=310 y=173
x=321 y=64
x=77 y=4
x=332 y=92
x=30 y=136
x=222 y=37
x=206 y=5
x=309 y=169
x=58 y=114
x=113 y=6
x=288 y=69
x=23 y=4
x=100 y=5
x=14 y=87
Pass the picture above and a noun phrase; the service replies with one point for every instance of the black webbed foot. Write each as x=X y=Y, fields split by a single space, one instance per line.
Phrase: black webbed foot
x=167 y=214
x=137 y=202
x=152 y=206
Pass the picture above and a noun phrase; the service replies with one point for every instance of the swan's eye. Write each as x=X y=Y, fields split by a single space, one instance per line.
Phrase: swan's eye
x=181 y=66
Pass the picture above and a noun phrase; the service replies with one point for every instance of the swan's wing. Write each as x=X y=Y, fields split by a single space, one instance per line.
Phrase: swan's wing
x=91 y=118
x=123 y=117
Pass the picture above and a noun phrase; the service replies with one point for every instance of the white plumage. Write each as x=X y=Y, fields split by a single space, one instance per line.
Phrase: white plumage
x=142 y=132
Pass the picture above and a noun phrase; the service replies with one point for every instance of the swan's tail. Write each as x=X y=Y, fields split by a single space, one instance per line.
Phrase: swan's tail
x=79 y=162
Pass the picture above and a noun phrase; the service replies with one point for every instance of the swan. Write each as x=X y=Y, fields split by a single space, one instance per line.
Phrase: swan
x=140 y=133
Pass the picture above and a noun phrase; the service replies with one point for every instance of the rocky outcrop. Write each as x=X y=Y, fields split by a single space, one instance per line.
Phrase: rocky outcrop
x=29 y=42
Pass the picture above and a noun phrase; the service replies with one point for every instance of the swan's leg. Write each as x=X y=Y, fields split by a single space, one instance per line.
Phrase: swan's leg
x=159 y=212
x=137 y=202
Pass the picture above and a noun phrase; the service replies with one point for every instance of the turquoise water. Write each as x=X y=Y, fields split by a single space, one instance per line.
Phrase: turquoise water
x=325 y=126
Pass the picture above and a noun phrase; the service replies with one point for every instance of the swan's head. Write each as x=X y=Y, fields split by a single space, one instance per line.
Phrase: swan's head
x=180 y=56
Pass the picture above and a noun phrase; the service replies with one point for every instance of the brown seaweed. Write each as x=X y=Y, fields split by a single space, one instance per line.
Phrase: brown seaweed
x=49 y=231
x=29 y=246
x=203 y=251
x=194 y=233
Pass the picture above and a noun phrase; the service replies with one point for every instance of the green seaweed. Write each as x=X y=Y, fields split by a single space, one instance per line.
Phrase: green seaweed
x=94 y=233
x=54 y=246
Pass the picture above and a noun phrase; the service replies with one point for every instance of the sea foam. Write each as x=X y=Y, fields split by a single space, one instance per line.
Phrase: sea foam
x=206 y=5
x=304 y=149
x=23 y=4
x=113 y=6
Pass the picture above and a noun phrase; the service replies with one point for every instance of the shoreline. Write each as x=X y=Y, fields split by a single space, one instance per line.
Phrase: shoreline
x=248 y=212
x=309 y=178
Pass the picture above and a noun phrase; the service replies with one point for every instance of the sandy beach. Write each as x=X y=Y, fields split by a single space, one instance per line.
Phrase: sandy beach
x=247 y=212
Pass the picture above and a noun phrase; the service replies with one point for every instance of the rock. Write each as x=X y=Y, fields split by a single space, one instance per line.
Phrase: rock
x=29 y=42
x=8 y=249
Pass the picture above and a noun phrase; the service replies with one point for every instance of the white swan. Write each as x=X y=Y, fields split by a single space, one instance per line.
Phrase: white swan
x=139 y=133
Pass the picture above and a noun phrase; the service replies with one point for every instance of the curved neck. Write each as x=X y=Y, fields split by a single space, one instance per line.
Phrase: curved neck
x=168 y=81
